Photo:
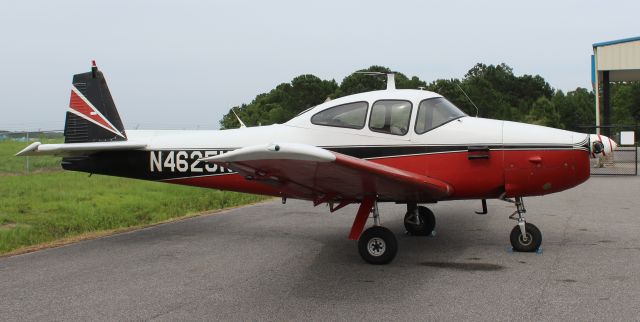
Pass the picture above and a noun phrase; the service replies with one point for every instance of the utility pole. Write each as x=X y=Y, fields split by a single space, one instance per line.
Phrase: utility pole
x=27 y=156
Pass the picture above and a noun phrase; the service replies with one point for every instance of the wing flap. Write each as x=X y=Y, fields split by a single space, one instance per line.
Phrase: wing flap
x=311 y=172
x=74 y=149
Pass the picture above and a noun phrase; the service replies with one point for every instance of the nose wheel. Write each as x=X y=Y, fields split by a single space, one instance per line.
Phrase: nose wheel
x=524 y=237
x=529 y=241
x=419 y=221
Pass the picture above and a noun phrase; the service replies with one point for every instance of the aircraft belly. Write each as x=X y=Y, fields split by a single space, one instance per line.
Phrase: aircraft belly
x=171 y=166
x=231 y=182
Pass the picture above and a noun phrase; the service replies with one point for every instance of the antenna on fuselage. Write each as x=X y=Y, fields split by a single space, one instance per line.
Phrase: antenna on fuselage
x=391 y=78
x=238 y=118
x=469 y=98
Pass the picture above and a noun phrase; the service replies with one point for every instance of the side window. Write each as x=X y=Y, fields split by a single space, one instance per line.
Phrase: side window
x=350 y=115
x=390 y=116
x=434 y=112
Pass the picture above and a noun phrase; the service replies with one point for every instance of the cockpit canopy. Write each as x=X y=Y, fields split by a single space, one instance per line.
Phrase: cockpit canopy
x=389 y=116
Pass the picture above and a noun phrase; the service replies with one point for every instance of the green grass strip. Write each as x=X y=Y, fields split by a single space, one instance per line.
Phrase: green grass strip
x=12 y=165
x=41 y=208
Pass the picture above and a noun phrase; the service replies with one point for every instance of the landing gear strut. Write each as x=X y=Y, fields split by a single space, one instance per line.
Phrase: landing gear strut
x=525 y=237
x=377 y=245
x=419 y=221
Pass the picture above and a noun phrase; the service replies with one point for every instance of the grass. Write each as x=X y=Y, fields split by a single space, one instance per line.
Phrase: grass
x=43 y=208
x=11 y=165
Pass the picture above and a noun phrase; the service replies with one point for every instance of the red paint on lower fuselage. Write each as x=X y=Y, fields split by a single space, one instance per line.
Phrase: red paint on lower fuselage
x=510 y=172
x=556 y=171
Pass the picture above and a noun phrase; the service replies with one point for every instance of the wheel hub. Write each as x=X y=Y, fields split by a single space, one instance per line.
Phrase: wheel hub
x=376 y=246
x=526 y=239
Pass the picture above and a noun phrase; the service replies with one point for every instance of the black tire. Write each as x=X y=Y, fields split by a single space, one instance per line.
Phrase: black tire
x=377 y=245
x=534 y=238
x=427 y=222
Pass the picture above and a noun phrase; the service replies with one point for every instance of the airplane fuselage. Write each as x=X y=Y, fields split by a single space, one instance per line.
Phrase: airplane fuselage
x=480 y=158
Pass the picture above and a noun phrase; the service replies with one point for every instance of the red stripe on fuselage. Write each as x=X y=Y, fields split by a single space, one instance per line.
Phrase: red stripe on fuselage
x=516 y=172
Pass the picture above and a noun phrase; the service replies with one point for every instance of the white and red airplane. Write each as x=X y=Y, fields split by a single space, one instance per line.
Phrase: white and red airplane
x=396 y=145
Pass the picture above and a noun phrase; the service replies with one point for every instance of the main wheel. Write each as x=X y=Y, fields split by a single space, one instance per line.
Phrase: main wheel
x=426 y=225
x=377 y=245
x=529 y=244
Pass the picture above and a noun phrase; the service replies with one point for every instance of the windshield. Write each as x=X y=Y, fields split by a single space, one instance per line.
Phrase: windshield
x=434 y=112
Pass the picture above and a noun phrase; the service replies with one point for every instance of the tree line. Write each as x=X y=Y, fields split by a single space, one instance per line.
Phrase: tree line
x=495 y=89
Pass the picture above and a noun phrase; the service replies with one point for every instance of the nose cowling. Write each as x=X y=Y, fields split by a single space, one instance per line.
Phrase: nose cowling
x=601 y=145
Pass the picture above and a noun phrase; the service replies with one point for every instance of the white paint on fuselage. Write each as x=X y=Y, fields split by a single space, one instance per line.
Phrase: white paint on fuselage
x=463 y=131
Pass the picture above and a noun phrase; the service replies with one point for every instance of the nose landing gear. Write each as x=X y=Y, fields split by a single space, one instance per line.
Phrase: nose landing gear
x=525 y=237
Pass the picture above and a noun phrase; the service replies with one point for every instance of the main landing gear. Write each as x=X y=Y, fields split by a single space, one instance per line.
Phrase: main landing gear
x=419 y=221
x=378 y=245
x=525 y=237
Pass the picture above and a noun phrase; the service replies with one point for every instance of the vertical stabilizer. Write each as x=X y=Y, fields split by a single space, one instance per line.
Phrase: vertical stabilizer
x=92 y=115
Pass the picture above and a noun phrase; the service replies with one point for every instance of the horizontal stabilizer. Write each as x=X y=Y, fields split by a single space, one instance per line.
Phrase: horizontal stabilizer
x=76 y=149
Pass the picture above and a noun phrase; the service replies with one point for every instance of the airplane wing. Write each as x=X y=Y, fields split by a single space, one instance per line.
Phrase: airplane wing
x=75 y=149
x=310 y=172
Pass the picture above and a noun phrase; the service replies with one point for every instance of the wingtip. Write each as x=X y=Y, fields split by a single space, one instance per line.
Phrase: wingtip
x=31 y=148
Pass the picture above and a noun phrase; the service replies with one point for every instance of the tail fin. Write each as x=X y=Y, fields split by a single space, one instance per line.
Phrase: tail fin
x=92 y=115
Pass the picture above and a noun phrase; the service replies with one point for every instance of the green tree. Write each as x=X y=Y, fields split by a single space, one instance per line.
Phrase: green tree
x=575 y=108
x=360 y=83
x=495 y=89
x=634 y=104
x=625 y=103
x=502 y=95
x=544 y=112
x=281 y=103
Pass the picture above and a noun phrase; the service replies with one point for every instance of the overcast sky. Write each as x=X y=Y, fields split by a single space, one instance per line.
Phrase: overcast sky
x=183 y=64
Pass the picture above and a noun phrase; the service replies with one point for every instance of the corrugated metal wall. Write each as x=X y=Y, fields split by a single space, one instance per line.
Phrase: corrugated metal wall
x=619 y=56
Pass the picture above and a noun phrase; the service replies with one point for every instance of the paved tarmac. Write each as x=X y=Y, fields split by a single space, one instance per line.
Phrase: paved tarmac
x=294 y=262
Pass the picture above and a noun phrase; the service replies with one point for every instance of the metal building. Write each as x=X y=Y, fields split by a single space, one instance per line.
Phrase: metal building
x=613 y=61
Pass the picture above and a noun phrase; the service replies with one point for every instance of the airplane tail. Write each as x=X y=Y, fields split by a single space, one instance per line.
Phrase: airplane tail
x=92 y=115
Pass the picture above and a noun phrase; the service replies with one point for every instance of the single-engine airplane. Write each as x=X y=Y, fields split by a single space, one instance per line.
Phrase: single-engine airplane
x=396 y=145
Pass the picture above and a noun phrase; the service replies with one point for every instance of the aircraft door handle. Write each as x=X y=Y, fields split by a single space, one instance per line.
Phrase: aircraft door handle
x=535 y=159
x=478 y=152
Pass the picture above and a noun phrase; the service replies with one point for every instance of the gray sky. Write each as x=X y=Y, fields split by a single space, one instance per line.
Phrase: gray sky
x=183 y=64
